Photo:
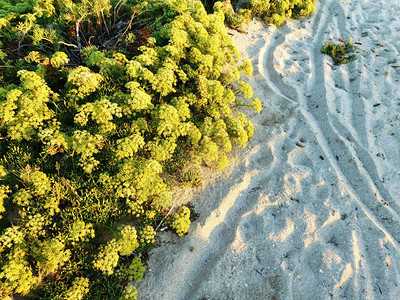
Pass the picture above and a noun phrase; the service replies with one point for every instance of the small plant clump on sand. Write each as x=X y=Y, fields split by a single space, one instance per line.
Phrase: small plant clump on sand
x=340 y=53
x=102 y=102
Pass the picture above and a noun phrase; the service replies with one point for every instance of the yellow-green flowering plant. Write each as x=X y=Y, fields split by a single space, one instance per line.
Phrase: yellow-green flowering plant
x=95 y=121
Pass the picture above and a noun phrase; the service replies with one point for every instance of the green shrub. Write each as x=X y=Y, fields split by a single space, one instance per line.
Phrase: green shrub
x=276 y=11
x=340 y=53
x=233 y=19
x=271 y=11
x=90 y=127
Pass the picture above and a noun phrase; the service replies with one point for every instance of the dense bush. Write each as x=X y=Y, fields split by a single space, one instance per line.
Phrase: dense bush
x=270 y=11
x=99 y=100
x=276 y=11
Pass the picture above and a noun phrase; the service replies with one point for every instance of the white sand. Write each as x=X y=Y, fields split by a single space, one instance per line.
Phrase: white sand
x=314 y=222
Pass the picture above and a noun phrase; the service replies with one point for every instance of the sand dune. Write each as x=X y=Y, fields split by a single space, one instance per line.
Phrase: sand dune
x=310 y=209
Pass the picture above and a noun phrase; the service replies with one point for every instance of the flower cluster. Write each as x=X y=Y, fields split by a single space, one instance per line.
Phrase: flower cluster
x=25 y=108
x=52 y=255
x=128 y=146
x=129 y=293
x=107 y=259
x=79 y=288
x=86 y=145
x=83 y=81
x=80 y=232
x=35 y=224
x=133 y=271
x=59 y=58
x=181 y=221
x=147 y=235
x=54 y=140
x=38 y=182
x=16 y=273
x=101 y=112
x=11 y=236
x=127 y=241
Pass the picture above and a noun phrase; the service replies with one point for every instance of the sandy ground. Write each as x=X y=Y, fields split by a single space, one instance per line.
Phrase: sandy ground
x=310 y=209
